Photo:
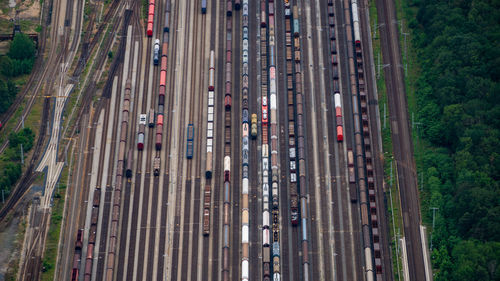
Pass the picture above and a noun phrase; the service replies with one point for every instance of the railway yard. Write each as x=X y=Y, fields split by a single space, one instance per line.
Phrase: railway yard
x=234 y=140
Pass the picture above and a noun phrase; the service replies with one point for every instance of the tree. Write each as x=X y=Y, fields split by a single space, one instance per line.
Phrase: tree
x=24 y=137
x=476 y=260
x=457 y=99
x=22 y=47
x=6 y=66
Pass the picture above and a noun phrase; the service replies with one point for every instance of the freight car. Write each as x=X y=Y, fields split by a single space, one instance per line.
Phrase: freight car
x=156 y=52
x=79 y=240
x=254 y=126
x=211 y=72
x=207 y=194
x=156 y=166
x=140 y=137
x=338 y=117
x=151 y=118
x=128 y=171
x=190 y=140
x=203 y=6
x=151 y=16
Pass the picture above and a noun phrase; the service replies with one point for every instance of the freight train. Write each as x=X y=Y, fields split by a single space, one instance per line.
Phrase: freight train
x=359 y=161
x=77 y=256
x=367 y=180
x=300 y=143
x=266 y=217
x=227 y=146
x=210 y=116
x=270 y=175
x=245 y=150
x=160 y=115
x=207 y=195
x=292 y=155
x=89 y=259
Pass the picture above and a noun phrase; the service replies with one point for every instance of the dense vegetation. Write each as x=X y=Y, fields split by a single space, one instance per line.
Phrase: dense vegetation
x=19 y=60
x=457 y=95
x=10 y=160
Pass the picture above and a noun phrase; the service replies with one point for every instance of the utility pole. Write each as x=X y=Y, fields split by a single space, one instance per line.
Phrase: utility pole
x=406 y=56
x=385 y=113
x=22 y=154
x=415 y=125
x=378 y=65
x=391 y=172
x=433 y=221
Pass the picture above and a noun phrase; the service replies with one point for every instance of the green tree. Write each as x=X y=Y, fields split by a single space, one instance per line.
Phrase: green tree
x=6 y=66
x=24 y=137
x=457 y=99
x=22 y=47
x=476 y=260
x=11 y=173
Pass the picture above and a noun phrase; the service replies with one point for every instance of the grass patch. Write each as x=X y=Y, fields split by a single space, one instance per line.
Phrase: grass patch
x=4 y=6
x=145 y=6
x=71 y=102
x=6 y=26
x=28 y=26
x=33 y=120
x=11 y=124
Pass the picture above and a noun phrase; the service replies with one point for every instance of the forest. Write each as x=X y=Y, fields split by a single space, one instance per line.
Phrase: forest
x=458 y=91
x=18 y=61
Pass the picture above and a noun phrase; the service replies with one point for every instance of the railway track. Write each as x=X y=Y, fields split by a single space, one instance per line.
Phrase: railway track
x=190 y=183
x=131 y=204
x=36 y=81
x=211 y=266
x=37 y=72
x=401 y=137
x=146 y=226
x=29 y=176
x=255 y=206
x=47 y=74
